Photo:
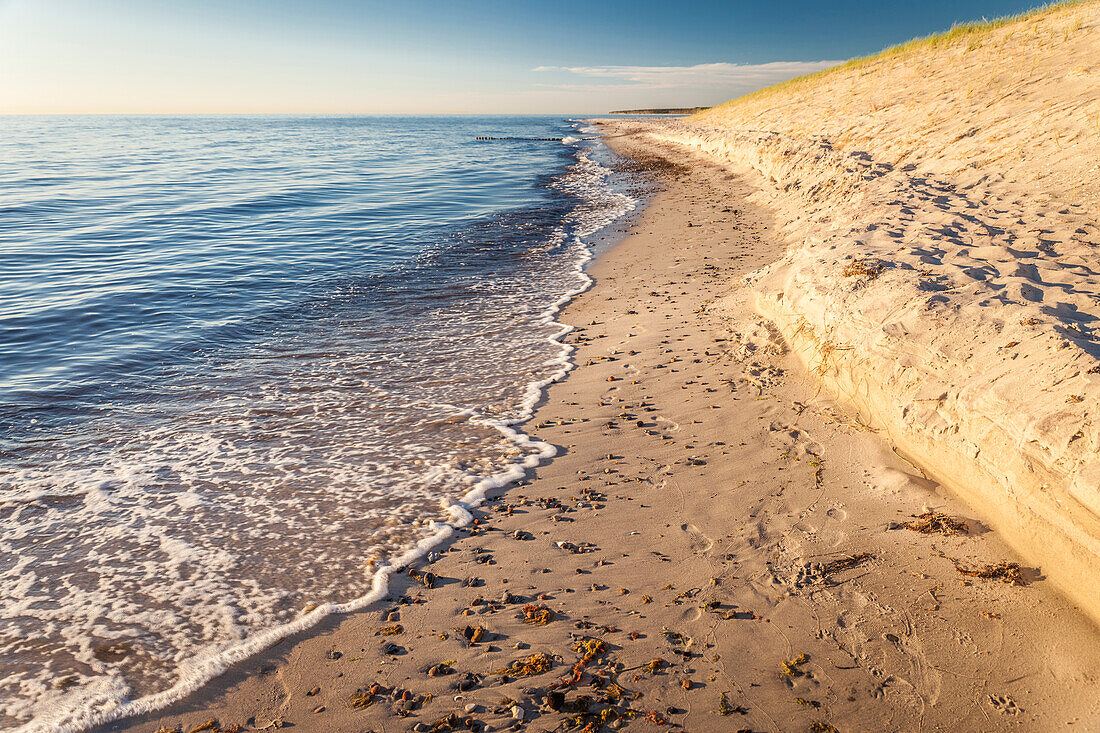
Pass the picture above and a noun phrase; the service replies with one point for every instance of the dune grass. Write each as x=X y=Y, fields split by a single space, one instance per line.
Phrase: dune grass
x=972 y=33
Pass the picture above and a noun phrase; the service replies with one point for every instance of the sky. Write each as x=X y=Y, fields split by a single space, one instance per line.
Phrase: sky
x=434 y=56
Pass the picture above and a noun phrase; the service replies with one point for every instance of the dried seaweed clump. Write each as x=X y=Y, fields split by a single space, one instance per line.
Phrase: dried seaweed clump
x=835 y=566
x=791 y=668
x=817 y=572
x=453 y=722
x=936 y=523
x=528 y=666
x=869 y=269
x=390 y=630
x=589 y=649
x=653 y=164
x=822 y=727
x=537 y=614
x=210 y=726
x=725 y=709
x=591 y=722
x=1006 y=572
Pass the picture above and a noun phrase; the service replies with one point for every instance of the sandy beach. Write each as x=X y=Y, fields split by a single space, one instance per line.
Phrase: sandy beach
x=827 y=460
x=425 y=367
x=718 y=546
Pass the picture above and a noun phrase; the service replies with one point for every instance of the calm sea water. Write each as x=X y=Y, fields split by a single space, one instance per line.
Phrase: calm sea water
x=246 y=360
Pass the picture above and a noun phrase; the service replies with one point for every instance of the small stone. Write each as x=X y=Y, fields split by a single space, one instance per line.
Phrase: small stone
x=440 y=670
x=517 y=712
x=472 y=707
x=467 y=681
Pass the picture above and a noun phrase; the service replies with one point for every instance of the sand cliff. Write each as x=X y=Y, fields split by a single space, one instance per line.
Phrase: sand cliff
x=940 y=210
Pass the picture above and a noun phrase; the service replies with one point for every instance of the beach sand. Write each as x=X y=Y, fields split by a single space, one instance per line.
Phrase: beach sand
x=941 y=209
x=718 y=547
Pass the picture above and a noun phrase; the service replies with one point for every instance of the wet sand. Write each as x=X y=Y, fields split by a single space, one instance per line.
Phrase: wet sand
x=718 y=547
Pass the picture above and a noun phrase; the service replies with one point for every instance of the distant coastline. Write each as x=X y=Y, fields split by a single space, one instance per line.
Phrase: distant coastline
x=659 y=111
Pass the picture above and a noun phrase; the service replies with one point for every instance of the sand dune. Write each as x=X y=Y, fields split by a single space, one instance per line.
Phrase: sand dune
x=940 y=210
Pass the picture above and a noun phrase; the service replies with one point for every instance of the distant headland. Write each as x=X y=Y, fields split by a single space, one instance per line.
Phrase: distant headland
x=659 y=111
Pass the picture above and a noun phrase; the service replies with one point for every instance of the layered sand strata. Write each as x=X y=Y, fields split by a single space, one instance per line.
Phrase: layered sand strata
x=717 y=547
x=940 y=207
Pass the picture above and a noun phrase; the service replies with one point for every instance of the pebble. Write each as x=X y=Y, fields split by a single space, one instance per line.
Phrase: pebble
x=517 y=712
x=471 y=708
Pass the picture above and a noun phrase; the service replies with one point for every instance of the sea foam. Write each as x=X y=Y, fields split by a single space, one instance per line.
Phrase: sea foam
x=103 y=697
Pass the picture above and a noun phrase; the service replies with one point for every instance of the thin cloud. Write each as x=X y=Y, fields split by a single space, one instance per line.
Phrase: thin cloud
x=700 y=76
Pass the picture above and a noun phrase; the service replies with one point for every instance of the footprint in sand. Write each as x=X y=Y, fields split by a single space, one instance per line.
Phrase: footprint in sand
x=700 y=543
x=797 y=441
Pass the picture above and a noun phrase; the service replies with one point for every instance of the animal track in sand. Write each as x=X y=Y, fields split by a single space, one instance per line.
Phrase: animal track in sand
x=700 y=543
x=672 y=423
x=1004 y=705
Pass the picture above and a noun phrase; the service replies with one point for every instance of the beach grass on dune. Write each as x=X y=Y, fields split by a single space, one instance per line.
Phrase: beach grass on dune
x=971 y=33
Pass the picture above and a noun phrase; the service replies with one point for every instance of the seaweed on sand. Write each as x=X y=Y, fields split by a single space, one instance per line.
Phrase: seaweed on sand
x=537 y=614
x=589 y=649
x=936 y=523
x=1006 y=572
x=869 y=269
x=791 y=667
x=527 y=666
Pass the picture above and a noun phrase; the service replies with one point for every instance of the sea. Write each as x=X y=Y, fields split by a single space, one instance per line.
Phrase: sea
x=250 y=366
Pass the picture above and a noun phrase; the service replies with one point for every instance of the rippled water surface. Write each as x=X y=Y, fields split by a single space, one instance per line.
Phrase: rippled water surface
x=243 y=357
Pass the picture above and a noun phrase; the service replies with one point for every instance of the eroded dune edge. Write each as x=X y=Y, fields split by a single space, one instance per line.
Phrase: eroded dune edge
x=940 y=207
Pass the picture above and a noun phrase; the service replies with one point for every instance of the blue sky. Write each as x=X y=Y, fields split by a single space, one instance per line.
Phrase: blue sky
x=360 y=56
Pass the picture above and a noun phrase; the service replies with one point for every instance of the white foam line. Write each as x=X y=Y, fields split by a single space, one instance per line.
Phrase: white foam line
x=195 y=674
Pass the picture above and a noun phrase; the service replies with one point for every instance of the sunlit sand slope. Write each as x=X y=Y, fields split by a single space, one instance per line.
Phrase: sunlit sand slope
x=943 y=270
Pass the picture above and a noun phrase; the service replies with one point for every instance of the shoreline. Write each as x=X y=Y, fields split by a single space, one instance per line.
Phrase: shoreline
x=456 y=512
x=750 y=523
